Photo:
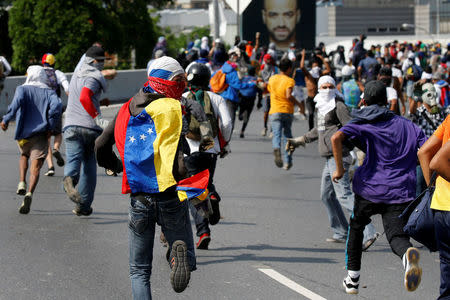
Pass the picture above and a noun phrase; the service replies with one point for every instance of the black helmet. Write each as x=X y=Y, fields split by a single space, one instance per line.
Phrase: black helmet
x=198 y=75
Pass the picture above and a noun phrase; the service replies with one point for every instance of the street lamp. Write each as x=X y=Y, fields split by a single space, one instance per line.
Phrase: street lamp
x=406 y=26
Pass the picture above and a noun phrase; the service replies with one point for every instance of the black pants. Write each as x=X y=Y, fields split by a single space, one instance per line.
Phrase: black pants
x=393 y=227
x=311 y=107
x=245 y=109
x=195 y=163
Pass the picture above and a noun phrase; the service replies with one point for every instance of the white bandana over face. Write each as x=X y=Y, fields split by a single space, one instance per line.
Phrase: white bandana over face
x=325 y=99
x=315 y=72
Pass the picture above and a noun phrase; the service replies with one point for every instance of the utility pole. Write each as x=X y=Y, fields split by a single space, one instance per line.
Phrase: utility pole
x=438 y=18
x=216 y=19
x=238 y=20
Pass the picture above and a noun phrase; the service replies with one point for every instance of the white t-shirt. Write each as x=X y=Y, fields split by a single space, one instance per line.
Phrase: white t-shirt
x=222 y=113
x=391 y=94
x=396 y=72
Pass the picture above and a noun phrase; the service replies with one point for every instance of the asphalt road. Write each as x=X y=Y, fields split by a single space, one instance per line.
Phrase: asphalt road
x=273 y=221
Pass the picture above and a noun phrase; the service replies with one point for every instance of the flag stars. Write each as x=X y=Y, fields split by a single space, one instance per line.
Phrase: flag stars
x=150 y=131
x=132 y=139
x=143 y=137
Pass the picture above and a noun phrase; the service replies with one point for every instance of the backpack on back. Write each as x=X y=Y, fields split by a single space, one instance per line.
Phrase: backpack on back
x=415 y=72
x=218 y=82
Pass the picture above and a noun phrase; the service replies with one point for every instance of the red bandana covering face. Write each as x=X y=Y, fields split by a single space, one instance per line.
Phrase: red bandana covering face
x=169 y=88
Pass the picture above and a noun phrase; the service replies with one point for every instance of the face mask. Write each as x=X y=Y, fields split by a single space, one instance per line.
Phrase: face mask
x=169 y=88
x=315 y=72
x=327 y=94
x=99 y=65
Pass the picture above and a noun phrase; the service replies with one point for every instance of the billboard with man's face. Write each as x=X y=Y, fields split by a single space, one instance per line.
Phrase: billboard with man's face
x=282 y=22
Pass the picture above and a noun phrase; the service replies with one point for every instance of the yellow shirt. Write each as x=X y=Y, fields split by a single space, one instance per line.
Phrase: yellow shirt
x=441 y=196
x=277 y=86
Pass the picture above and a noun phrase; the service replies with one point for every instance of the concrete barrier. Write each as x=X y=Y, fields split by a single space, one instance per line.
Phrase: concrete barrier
x=121 y=88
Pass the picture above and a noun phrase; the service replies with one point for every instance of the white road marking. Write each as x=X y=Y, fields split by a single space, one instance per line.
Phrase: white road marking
x=291 y=284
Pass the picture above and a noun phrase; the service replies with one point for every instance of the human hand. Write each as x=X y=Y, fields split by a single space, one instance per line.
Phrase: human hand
x=4 y=126
x=291 y=144
x=337 y=174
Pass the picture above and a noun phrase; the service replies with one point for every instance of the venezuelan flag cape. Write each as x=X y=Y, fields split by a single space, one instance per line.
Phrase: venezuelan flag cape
x=147 y=144
x=194 y=187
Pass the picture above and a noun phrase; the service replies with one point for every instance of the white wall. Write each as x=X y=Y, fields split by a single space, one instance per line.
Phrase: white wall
x=124 y=86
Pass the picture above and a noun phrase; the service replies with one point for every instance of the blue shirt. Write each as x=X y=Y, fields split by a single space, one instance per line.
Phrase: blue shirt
x=250 y=91
x=37 y=110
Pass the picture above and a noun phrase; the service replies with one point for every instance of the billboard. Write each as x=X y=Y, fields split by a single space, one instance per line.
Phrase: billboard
x=281 y=22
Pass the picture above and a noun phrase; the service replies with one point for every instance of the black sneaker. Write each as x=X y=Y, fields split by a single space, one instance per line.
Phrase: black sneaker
x=214 y=218
x=59 y=158
x=70 y=190
x=277 y=155
x=25 y=207
x=203 y=242
x=180 y=272
x=351 y=285
x=82 y=212
x=50 y=172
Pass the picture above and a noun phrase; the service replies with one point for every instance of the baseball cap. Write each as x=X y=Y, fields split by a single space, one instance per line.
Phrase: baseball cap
x=347 y=70
x=96 y=53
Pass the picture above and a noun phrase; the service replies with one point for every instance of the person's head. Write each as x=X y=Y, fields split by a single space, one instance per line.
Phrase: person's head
x=48 y=60
x=437 y=76
x=198 y=76
x=280 y=17
x=375 y=93
x=385 y=75
x=347 y=72
x=234 y=54
x=326 y=83
x=36 y=76
x=159 y=53
x=161 y=40
x=268 y=59
x=340 y=49
x=285 y=65
x=370 y=54
x=204 y=53
x=429 y=97
x=166 y=77
x=96 y=56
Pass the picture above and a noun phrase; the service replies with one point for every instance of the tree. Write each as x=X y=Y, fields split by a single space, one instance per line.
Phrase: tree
x=67 y=28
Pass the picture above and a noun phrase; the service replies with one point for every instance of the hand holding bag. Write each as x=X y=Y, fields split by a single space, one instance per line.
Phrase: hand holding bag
x=420 y=224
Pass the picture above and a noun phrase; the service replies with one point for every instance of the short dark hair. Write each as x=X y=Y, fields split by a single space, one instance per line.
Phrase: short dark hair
x=375 y=93
x=251 y=71
x=370 y=53
x=386 y=71
x=285 y=64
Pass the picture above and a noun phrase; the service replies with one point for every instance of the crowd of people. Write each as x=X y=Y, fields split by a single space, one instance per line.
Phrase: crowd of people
x=370 y=109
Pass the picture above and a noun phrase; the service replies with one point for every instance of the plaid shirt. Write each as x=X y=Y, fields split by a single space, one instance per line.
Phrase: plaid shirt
x=437 y=119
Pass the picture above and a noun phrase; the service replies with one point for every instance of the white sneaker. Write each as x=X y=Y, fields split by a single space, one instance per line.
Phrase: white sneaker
x=351 y=285
x=21 y=188
x=413 y=273
x=264 y=132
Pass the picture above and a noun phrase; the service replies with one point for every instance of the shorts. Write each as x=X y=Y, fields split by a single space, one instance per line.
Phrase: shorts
x=35 y=147
x=410 y=88
x=266 y=103
x=299 y=93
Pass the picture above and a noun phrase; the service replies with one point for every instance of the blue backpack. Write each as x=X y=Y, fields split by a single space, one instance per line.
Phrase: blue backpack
x=351 y=92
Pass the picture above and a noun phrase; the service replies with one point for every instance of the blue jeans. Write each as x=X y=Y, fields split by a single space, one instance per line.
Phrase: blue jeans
x=166 y=210
x=442 y=231
x=337 y=195
x=281 y=129
x=81 y=164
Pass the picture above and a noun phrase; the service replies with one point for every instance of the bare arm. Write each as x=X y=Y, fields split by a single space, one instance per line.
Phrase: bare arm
x=336 y=143
x=441 y=162
x=393 y=106
x=302 y=66
x=290 y=97
x=426 y=154
x=327 y=70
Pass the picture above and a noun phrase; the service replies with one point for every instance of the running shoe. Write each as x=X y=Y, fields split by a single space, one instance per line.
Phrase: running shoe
x=370 y=242
x=336 y=240
x=21 y=188
x=214 y=217
x=80 y=212
x=351 y=285
x=59 y=158
x=287 y=166
x=25 y=207
x=203 y=242
x=70 y=190
x=278 y=160
x=180 y=272
x=50 y=172
x=264 y=132
x=413 y=273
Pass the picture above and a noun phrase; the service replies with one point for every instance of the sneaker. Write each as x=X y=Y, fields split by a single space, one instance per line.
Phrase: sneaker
x=214 y=218
x=413 y=273
x=336 y=240
x=351 y=285
x=25 y=207
x=180 y=273
x=370 y=242
x=278 y=160
x=70 y=190
x=302 y=117
x=271 y=135
x=21 y=188
x=162 y=240
x=79 y=212
x=59 y=158
x=264 y=132
x=50 y=172
x=203 y=242
x=287 y=166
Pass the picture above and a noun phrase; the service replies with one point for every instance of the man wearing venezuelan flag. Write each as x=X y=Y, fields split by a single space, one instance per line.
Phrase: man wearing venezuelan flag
x=148 y=134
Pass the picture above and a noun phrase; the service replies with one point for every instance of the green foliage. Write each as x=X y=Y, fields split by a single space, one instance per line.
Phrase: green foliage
x=67 y=28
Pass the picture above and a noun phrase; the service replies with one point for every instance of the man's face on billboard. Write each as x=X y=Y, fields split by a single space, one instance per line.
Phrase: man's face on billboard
x=280 y=17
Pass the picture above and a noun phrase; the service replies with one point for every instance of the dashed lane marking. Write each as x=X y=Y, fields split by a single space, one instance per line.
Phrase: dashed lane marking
x=291 y=284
